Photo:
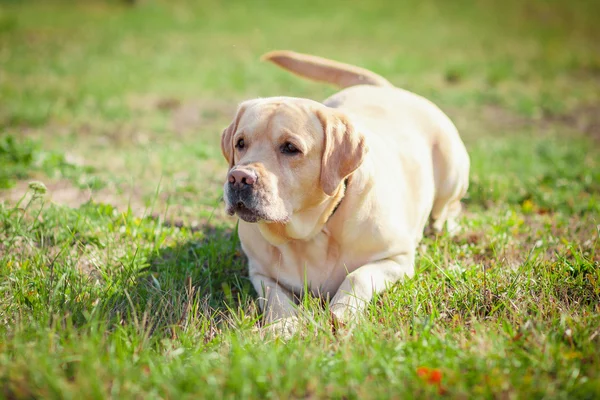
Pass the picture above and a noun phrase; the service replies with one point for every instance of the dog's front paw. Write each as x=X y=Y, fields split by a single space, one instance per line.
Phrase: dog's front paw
x=343 y=320
x=284 y=328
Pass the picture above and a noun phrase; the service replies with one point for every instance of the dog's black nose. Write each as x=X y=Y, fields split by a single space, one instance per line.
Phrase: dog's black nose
x=241 y=177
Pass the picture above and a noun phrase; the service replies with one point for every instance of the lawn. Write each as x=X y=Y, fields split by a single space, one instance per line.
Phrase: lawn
x=121 y=275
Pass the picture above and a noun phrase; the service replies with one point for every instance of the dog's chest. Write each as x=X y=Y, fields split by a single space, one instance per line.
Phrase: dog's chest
x=314 y=264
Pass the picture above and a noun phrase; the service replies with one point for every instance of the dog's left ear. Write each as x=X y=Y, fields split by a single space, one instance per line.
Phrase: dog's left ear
x=227 y=147
x=343 y=152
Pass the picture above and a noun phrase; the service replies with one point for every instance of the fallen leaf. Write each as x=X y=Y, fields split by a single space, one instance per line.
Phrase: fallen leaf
x=432 y=376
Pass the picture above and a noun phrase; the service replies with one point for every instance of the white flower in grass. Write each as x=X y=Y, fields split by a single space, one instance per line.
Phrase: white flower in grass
x=38 y=188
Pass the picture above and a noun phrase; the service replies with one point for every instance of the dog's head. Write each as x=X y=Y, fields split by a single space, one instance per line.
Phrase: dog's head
x=286 y=155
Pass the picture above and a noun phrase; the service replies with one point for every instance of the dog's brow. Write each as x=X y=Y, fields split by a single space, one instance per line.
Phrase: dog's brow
x=239 y=133
x=287 y=134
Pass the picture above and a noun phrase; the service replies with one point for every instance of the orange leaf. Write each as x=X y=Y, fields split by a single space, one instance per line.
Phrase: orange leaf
x=422 y=372
x=435 y=377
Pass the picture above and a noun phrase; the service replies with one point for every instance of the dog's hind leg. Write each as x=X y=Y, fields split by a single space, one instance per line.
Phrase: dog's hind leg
x=451 y=174
x=447 y=216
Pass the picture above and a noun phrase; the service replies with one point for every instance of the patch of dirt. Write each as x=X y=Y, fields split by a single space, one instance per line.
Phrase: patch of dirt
x=473 y=123
x=501 y=117
x=585 y=119
x=146 y=124
x=65 y=193
x=185 y=115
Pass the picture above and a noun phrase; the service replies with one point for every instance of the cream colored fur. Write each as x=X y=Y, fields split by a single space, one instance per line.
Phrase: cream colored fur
x=404 y=162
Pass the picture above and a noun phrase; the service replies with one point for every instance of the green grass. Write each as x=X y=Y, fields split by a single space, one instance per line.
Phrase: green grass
x=126 y=279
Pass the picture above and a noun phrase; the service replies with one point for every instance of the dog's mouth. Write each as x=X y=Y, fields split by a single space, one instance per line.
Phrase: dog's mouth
x=244 y=212
x=253 y=207
x=252 y=214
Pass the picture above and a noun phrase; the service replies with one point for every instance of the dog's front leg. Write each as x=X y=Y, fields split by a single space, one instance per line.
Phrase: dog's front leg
x=360 y=285
x=275 y=301
x=278 y=306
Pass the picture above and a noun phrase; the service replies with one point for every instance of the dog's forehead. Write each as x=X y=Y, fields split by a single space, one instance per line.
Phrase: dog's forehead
x=278 y=116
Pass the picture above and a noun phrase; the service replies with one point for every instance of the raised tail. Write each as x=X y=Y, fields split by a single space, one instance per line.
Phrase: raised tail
x=324 y=70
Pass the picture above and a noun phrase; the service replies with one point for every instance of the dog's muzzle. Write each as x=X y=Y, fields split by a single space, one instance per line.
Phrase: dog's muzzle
x=241 y=196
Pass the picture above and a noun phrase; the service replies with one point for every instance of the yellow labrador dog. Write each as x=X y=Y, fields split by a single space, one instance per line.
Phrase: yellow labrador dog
x=334 y=196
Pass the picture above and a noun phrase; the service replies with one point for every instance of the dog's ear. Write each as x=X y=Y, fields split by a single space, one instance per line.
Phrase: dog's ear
x=227 y=145
x=343 y=152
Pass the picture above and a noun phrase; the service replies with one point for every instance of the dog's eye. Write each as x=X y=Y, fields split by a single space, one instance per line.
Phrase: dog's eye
x=289 y=148
x=240 y=144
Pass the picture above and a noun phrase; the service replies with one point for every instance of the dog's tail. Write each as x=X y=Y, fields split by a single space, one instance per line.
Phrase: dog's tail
x=324 y=70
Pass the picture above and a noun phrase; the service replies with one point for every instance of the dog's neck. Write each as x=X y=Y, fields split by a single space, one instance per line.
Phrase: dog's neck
x=305 y=224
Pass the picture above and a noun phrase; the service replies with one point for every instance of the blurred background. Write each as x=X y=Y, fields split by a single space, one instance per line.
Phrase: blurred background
x=132 y=284
x=124 y=101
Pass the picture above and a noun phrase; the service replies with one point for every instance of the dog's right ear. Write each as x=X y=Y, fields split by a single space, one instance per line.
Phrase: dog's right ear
x=227 y=146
